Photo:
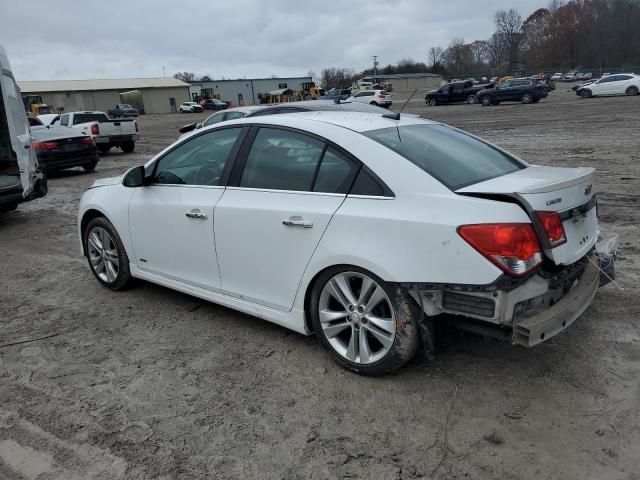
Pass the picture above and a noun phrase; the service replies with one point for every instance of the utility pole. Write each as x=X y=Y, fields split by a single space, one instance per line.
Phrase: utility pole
x=375 y=65
x=164 y=73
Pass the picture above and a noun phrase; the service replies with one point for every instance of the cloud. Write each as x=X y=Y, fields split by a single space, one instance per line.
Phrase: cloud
x=240 y=38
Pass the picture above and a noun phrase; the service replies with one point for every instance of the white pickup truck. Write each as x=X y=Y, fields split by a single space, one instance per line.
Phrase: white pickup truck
x=106 y=133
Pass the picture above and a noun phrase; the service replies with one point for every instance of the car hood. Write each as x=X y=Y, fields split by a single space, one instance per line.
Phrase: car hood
x=104 y=182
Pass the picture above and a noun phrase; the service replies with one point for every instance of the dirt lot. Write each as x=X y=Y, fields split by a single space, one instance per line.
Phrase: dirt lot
x=150 y=383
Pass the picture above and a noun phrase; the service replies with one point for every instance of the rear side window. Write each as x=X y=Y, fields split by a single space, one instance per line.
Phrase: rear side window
x=214 y=119
x=64 y=120
x=452 y=157
x=335 y=174
x=79 y=118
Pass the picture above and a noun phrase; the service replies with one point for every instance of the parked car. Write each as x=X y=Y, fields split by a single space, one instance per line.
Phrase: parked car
x=63 y=147
x=580 y=85
x=49 y=118
x=618 y=84
x=190 y=107
x=517 y=90
x=455 y=93
x=21 y=178
x=379 y=98
x=337 y=94
x=359 y=228
x=556 y=76
x=123 y=110
x=213 y=104
x=569 y=77
x=292 y=107
x=587 y=76
x=106 y=132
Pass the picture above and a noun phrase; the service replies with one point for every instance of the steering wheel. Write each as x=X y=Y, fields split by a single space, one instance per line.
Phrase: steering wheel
x=208 y=174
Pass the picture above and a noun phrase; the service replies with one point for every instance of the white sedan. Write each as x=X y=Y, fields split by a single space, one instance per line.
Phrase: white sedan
x=379 y=98
x=618 y=84
x=360 y=228
x=190 y=107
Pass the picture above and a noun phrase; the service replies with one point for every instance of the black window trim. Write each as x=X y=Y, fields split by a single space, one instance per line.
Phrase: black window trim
x=243 y=153
x=226 y=172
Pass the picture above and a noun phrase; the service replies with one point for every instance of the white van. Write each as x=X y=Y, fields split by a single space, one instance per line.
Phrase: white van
x=20 y=178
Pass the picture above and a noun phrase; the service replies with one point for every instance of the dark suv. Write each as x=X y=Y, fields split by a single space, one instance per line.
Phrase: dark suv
x=518 y=90
x=455 y=92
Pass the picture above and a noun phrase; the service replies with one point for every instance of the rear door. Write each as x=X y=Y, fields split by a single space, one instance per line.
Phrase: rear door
x=283 y=192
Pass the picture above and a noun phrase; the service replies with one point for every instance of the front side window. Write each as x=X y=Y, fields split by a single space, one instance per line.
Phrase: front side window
x=217 y=118
x=198 y=161
x=450 y=156
x=282 y=160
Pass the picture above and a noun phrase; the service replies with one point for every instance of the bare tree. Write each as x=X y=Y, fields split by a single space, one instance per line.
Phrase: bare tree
x=435 y=56
x=457 y=56
x=337 y=77
x=185 y=76
x=509 y=31
x=479 y=53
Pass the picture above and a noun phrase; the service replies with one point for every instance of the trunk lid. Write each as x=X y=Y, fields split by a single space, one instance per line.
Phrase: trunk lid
x=568 y=191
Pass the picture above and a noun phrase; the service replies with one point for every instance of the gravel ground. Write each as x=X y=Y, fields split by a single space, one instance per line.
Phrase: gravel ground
x=150 y=383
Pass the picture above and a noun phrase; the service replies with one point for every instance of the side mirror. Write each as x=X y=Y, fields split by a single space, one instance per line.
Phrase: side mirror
x=188 y=128
x=135 y=177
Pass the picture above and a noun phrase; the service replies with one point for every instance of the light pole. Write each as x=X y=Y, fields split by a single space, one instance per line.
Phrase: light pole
x=375 y=65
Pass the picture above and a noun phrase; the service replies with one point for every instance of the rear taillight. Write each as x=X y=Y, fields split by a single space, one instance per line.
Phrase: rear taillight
x=552 y=224
x=511 y=246
x=87 y=140
x=136 y=124
x=95 y=129
x=44 y=145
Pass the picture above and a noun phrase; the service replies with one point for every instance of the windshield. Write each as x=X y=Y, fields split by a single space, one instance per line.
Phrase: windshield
x=454 y=158
x=79 y=118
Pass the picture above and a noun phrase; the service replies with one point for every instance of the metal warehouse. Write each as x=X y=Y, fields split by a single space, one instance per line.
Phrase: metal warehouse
x=244 y=91
x=148 y=95
x=408 y=81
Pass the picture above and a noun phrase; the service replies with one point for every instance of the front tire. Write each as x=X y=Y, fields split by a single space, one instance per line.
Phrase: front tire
x=369 y=326
x=486 y=101
x=527 y=98
x=632 y=90
x=586 y=93
x=106 y=255
x=433 y=102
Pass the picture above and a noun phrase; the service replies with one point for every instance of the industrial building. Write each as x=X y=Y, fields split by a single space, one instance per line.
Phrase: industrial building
x=148 y=95
x=246 y=91
x=408 y=81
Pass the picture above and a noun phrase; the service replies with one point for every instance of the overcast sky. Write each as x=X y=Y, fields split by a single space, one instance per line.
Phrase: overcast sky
x=70 y=39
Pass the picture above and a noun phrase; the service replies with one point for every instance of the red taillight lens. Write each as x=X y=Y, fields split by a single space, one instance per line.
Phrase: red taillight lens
x=87 y=140
x=95 y=129
x=511 y=246
x=44 y=145
x=552 y=224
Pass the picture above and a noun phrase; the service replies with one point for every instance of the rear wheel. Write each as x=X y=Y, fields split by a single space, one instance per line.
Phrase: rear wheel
x=90 y=167
x=471 y=99
x=585 y=93
x=486 y=100
x=128 y=147
x=526 y=98
x=106 y=254
x=632 y=90
x=373 y=103
x=369 y=326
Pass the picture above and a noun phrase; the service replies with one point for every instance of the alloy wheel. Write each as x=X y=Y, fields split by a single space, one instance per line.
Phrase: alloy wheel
x=357 y=317
x=471 y=99
x=103 y=254
x=632 y=90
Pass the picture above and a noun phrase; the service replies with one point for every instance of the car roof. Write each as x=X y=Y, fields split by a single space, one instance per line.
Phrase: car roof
x=356 y=121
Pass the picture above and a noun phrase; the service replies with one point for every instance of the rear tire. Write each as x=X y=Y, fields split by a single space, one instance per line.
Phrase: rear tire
x=471 y=99
x=106 y=255
x=486 y=101
x=8 y=208
x=90 y=167
x=632 y=90
x=374 y=104
x=383 y=313
x=128 y=147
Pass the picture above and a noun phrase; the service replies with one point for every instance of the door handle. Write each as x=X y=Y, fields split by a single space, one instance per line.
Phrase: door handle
x=196 y=215
x=297 y=222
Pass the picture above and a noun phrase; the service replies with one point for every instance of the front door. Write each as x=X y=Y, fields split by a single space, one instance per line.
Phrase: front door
x=171 y=220
x=288 y=186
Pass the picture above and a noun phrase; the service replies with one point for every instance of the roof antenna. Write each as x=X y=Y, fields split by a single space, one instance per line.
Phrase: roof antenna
x=396 y=115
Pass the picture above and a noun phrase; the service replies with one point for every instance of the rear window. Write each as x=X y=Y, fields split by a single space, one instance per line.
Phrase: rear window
x=450 y=156
x=79 y=118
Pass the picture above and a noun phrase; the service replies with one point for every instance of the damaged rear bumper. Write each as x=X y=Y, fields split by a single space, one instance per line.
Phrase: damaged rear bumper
x=525 y=313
